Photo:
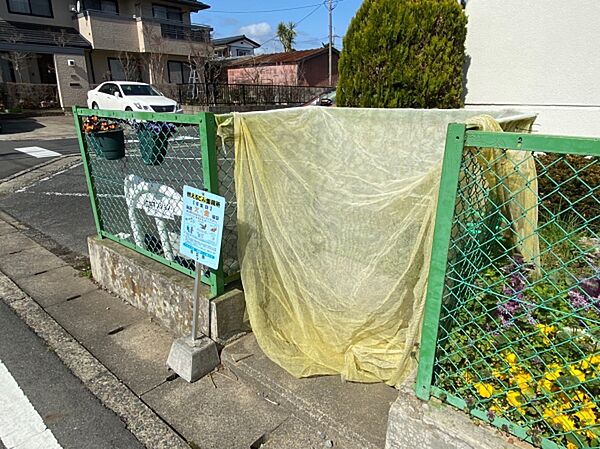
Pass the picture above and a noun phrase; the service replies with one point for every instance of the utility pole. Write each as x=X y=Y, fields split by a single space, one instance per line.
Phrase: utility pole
x=330 y=8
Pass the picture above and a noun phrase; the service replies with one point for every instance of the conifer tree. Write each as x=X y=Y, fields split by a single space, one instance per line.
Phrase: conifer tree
x=404 y=54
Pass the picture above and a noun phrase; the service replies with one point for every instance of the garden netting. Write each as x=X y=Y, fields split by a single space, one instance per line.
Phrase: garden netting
x=335 y=215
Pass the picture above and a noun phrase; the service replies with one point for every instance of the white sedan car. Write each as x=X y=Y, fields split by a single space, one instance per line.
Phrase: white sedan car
x=130 y=96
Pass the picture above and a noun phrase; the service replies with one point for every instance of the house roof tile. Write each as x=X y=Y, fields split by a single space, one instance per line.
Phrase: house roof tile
x=231 y=39
x=293 y=57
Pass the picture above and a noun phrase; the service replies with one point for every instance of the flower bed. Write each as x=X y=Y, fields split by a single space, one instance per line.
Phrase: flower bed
x=526 y=348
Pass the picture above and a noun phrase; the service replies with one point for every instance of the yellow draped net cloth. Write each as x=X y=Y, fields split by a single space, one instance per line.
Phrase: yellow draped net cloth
x=335 y=215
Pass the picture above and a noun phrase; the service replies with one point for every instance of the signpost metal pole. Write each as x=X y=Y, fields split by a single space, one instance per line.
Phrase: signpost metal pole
x=195 y=304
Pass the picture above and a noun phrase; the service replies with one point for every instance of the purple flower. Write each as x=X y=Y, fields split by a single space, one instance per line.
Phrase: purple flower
x=578 y=301
x=506 y=312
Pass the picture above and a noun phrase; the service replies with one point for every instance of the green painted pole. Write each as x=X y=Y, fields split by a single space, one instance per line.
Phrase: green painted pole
x=86 y=167
x=455 y=140
x=210 y=175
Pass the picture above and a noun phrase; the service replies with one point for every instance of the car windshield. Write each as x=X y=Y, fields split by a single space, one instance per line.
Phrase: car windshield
x=143 y=90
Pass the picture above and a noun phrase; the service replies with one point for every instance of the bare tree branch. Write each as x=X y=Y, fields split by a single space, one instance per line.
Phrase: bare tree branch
x=18 y=59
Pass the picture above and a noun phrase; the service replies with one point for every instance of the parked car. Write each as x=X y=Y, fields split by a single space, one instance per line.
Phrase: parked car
x=130 y=96
x=326 y=99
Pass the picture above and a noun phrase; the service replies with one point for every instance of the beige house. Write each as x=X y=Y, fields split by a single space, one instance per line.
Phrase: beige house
x=76 y=44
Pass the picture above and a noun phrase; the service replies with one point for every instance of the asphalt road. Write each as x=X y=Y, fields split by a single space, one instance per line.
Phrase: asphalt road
x=74 y=416
x=58 y=206
x=13 y=161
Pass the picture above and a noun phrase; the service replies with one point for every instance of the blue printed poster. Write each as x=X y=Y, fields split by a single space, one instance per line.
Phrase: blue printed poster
x=202 y=226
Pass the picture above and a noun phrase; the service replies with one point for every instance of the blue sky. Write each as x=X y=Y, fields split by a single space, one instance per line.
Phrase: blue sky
x=231 y=17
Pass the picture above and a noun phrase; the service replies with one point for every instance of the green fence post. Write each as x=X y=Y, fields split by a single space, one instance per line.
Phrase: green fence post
x=86 y=168
x=210 y=174
x=455 y=140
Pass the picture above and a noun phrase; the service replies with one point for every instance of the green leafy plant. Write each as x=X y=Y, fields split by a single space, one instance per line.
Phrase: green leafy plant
x=527 y=350
x=404 y=54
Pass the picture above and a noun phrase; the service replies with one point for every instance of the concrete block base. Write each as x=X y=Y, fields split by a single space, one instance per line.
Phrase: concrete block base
x=165 y=293
x=193 y=359
x=413 y=423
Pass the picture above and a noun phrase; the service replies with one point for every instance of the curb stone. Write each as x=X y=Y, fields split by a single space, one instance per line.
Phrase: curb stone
x=139 y=419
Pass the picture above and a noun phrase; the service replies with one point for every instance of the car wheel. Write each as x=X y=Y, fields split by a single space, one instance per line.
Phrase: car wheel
x=128 y=109
x=95 y=105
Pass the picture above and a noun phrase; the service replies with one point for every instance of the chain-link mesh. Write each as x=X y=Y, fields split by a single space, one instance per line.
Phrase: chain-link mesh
x=519 y=342
x=138 y=171
x=226 y=160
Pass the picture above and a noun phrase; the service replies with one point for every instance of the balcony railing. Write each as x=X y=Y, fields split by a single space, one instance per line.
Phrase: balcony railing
x=192 y=33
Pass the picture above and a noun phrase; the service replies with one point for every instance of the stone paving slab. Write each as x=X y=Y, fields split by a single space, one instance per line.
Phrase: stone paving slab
x=29 y=262
x=6 y=228
x=216 y=414
x=13 y=243
x=295 y=434
x=93 y=315
x=137 y=355
x=56 y=286
x=356 y=414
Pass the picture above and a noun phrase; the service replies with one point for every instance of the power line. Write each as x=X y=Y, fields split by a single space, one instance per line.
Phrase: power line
x=264 y=10
x=296 y=23
x=295 y=8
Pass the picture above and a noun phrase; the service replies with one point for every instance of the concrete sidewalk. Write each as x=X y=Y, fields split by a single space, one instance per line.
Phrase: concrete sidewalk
x=119 y=353
x=38 y=128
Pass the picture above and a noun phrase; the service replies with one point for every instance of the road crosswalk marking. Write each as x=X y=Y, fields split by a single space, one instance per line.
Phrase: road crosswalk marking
x=38 y=152
x=21 y=427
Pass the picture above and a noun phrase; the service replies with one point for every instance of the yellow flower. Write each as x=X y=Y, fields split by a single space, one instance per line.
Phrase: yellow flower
x=571 y=446
x=484 y=390
x=498 y=375
x=522 y=380
x=554 y=373
x=545 y=384
x=577 y=373
x=562 y=420
x=586 y=416
x=582 y=397
x=513 y=398
x=511 y=358
x=547 y=330
x=467 y=376
x=595 y=359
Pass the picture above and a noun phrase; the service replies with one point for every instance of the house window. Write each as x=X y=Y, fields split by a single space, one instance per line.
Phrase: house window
x=167 y=13
x=179 y=72
x=7 y=74
x=110 y=6
x=41 y=8
x=243 y=52
x=115 y=67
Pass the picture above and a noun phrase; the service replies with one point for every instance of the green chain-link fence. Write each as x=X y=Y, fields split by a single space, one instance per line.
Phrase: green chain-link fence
x=514 y=338
x=137 y=164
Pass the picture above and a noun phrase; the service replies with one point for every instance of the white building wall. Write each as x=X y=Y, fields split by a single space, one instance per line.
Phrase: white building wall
x=537 y=55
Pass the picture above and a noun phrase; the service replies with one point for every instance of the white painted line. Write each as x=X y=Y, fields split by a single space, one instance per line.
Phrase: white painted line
x=48 y=178
x=38 y=152
x=21 y=427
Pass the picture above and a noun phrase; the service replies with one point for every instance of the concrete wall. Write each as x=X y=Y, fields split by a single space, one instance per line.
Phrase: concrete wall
x=150 y=39
x=72 y=80
x=537 y=56
x=109 y=31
